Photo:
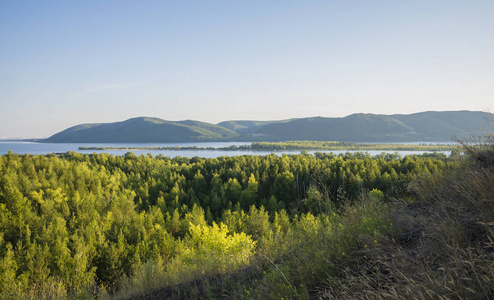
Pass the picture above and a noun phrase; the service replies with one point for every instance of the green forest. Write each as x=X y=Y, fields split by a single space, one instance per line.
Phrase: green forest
x=301 y=226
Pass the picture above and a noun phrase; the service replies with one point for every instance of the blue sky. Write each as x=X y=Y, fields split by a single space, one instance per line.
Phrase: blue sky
x=63 y=63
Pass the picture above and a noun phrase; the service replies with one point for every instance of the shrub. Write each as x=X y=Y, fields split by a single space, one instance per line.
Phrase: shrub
x=206 y=251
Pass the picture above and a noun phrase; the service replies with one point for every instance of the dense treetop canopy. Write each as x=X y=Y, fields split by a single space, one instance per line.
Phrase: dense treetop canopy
x=74 y=221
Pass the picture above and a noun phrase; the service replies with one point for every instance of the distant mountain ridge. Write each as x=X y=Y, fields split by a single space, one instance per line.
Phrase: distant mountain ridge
x=142 y=130
x=423 y=126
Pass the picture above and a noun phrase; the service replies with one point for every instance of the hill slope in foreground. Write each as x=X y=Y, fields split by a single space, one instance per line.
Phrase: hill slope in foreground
x=424 y=126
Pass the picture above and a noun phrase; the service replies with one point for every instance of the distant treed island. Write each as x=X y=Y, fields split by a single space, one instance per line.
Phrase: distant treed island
x=443 y=126
x=297 y=145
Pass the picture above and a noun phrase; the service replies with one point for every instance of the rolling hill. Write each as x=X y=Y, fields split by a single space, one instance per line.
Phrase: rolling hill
x=434 y=125
x=245 y=127
x=357 y=127
x=141 y=130
x=424 y=126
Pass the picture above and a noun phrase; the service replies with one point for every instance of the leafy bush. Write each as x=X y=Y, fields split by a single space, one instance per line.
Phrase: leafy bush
x=206 y=251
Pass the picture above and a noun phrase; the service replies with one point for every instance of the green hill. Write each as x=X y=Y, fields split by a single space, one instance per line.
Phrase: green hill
x=424 y=126
x=448 y=125
x=140 y=130
x=356 y=127
x=245 y=127
x=223 y=131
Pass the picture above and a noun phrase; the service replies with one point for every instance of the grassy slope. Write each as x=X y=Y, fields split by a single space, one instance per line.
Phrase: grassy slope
x=440 y=246
x=443 y=246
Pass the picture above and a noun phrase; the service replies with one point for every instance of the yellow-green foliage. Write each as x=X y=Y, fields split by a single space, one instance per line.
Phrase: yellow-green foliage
x=207 y=250
x=210 y=249
x=317 y=250
x=78 y=224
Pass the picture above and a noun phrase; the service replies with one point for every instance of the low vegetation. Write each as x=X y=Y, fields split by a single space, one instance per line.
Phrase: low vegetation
x=299 y=145
x=295 y=227
x=335 y=146
x=442 y=242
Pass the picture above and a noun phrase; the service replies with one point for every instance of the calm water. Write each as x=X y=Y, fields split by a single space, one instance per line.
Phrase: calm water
x=46 y=148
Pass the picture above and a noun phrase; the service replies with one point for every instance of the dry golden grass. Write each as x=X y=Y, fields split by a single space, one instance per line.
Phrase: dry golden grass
x=443 y=246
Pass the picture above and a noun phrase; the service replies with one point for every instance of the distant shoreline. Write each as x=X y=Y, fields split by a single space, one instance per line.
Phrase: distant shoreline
x=296 y=146
x=21 y=140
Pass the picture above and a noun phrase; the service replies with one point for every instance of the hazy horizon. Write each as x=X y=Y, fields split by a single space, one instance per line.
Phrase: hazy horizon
x=64 y=64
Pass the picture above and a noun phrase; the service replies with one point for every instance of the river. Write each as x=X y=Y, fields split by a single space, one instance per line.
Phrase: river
x=22 y=147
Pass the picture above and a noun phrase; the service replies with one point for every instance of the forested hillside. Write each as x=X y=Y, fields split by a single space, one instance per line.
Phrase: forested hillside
x=425 y=126
x=140 y=130
x=443 y=126
x=91 y=225
x=245 y=127
x=434 y=125
x=359 y=127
